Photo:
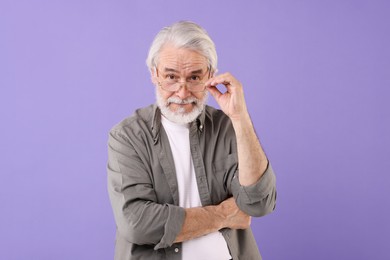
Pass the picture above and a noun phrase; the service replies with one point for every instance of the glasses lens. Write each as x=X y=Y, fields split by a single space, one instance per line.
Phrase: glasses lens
x=170 y=86
x=195 y=87
x=172 y=83
x=191 y=86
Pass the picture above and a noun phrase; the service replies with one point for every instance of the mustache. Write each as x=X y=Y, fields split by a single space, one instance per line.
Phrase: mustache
x=176 y=100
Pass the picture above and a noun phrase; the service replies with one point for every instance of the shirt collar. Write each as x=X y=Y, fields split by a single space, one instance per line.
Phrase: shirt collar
x=156 y=122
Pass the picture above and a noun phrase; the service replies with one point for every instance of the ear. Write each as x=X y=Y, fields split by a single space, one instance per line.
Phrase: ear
x=153 y=76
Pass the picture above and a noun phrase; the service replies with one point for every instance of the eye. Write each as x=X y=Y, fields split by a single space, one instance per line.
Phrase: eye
x=194 y=78
x=170 y=77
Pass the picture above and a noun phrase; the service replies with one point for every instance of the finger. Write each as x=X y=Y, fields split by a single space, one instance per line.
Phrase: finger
x=225 y=79
x=214 y=91
x=221 y=80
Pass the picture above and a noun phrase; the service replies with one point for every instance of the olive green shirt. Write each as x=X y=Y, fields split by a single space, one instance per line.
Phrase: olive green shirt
x=143 y=188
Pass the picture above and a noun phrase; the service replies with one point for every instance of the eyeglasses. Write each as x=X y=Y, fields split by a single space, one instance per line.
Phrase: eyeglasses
x=194 y=83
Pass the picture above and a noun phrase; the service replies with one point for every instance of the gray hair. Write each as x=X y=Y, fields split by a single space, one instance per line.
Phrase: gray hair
x=187 y=35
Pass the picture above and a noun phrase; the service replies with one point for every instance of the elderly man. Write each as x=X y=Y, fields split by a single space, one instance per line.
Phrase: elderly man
x=184 y=178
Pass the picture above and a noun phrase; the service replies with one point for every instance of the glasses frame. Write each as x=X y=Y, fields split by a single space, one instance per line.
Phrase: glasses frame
x=187 y=84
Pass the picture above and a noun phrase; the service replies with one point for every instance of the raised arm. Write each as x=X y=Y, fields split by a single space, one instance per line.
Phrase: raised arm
x=251 y=157
x=252 y=161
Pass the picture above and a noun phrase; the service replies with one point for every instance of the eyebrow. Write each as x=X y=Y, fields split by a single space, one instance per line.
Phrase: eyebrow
x=200 y=71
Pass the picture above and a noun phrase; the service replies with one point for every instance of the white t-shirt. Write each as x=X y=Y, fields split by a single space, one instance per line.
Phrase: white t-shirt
x=211 y=246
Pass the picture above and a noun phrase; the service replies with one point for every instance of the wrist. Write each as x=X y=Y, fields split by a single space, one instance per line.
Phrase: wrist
x=242 y=123
x=217 y=216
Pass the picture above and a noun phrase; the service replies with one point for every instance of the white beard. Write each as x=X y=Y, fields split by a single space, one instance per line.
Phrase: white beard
x=180 y=116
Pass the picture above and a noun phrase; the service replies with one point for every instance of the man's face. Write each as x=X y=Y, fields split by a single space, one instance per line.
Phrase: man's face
x=182 y=105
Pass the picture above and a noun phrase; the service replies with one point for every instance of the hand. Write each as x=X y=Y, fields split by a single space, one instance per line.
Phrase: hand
x=232 y=102
x=234 y=217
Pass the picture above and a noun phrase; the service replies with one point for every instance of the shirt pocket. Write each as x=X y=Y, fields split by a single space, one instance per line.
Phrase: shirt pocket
x=224 y=170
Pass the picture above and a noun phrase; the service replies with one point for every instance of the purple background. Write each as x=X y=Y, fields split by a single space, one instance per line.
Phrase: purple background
x=316 y=77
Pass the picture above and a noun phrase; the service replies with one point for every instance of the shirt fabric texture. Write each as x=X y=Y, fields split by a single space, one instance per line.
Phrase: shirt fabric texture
x=143 y=189
x=212 y=245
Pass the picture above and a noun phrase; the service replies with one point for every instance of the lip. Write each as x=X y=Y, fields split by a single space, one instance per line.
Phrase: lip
x=181 y=104
x=182 y=108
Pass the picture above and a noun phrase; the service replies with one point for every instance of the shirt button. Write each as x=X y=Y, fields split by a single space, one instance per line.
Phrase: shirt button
x=176 y=250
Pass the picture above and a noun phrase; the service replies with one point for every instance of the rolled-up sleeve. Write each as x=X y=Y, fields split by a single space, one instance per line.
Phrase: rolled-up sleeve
x=259 y=198
x=139 y=218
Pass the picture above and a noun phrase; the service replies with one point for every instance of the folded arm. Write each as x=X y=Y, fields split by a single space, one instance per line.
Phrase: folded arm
x=204 y=220
x=140 y=219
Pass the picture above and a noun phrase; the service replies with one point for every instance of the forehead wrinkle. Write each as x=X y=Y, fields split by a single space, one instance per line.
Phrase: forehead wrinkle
x=182 y=60
x=192 y=65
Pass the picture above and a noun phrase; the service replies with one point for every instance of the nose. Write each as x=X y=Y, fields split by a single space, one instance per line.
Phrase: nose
x=183 y=91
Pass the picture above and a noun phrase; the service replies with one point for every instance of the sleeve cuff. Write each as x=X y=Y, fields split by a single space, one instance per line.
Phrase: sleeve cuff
x=172 y=226
x=256 y=192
